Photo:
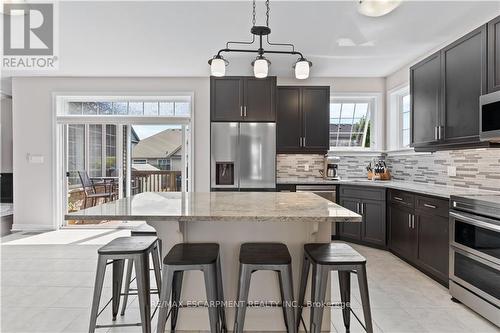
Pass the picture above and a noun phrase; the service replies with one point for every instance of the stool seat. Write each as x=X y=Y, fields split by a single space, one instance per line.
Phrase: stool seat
x=143 y=230
x=264 y=254
x=192 y=254
x=128 y=245
x=333 y=253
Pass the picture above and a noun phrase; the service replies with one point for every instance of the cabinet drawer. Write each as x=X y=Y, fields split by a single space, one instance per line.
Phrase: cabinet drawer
x=432 y=206
x=362 y=192
x=401 y=197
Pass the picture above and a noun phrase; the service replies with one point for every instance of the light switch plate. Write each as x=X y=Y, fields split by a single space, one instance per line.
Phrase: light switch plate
x=452 y=171
x=35 y=159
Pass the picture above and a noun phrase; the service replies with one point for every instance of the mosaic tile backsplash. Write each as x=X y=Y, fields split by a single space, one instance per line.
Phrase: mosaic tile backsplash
x=475 y=168
x=293 y=165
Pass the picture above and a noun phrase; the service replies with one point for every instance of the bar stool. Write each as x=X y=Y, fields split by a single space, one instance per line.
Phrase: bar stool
x=333 y=257
x=116 y=252
x=142 y=230
x=185 y=257
x=270 y=257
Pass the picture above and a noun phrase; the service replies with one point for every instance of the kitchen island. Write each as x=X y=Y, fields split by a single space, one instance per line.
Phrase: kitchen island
x=230 y=219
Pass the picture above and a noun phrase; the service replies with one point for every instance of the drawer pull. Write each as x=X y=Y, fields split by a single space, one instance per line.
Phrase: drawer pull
x=430 y=206
x=398 y=198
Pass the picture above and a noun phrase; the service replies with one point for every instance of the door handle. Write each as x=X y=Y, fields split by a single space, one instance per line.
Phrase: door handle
x=245 y=111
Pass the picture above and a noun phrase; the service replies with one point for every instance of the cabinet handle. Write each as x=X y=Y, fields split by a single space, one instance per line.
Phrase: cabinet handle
x=430 y=206
x=436 y=133
x=241 y=111
x=357 y=207
x=409 y=221
x=300 y=142
x=413 y=221
x=245 y=111
x=304 y=141
x=398 y=198
x=440 y=135
x=362 y=209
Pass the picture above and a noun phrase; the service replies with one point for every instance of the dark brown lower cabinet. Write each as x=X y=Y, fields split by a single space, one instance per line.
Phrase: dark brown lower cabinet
x=402 y=238
x=370 y=204
x=419 y=234
x=432 y=253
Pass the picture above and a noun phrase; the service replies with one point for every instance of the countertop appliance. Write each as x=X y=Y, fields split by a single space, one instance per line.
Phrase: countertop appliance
x=331 y=168
x=243 y=156
x=489 y=117
x=475 y=253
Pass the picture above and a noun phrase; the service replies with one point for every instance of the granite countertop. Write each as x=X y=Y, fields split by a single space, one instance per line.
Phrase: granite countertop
x=421 y=188
x=220 y=206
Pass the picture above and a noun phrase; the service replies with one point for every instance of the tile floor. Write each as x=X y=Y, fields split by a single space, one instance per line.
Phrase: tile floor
x=47 y=281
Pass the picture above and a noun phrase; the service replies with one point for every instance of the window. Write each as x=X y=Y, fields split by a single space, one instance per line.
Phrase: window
x=139 y=161
x=164 y=164
x=177 y=107
x=350 y=122
x=404 y=111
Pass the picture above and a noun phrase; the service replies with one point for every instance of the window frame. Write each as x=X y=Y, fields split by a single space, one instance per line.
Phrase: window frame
x=394 y=121
x=373 y=100
x=400 y=111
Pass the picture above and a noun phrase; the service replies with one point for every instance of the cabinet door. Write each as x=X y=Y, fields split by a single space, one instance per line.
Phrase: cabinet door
x=373 y=230
x=350 y=230
x=494 y=55
x=226 y=99
x=433 y=244
x=316 y=118
x=260 y=99
x=425 y=88
x=288 y=120
x=464 y=73
x=402 y=238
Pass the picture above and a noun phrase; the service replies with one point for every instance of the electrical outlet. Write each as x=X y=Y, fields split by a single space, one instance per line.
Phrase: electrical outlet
x=452 y=171
x=306 y=167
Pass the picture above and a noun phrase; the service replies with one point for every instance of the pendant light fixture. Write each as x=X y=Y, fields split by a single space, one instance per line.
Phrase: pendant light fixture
x=260 y=64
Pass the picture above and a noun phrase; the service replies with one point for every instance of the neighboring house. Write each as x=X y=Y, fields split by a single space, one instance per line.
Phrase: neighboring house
x=162 y=150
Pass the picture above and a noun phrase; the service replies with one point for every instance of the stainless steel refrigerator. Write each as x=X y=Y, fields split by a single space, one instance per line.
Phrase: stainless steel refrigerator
x=243 y=156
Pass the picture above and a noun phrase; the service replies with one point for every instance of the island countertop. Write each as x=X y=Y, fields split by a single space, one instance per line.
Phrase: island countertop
x=219 y=206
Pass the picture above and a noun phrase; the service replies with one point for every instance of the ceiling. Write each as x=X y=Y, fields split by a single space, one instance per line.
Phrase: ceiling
x=177 y=38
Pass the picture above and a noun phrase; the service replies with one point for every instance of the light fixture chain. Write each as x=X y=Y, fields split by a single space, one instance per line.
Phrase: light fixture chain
x=267 y=13
x=253 y=14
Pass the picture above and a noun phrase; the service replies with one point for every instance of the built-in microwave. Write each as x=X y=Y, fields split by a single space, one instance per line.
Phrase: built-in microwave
x=489 y=117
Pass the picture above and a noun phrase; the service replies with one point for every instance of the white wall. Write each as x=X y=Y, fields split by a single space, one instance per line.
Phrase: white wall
x=32 y=132
x=6 y=134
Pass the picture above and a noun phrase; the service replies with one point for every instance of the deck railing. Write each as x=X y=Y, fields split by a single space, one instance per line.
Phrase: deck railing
x=155 y=181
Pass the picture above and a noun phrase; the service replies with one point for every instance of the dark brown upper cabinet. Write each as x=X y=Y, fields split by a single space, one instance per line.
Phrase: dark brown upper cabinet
x=445 y=90
x=425 y=89
x=302 y=119
x=494 y=55
x=239 y=98
x=464 y=81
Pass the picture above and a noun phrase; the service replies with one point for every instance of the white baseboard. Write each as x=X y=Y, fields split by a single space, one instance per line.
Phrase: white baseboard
x=32 y=227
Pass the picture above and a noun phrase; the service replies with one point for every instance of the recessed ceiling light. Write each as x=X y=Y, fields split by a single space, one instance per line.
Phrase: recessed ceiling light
x=376 y=8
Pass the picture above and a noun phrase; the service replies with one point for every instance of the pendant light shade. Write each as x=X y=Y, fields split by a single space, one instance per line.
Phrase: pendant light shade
x=218 y=66
x=376 y=8
x=260 y=67
x=302 y=69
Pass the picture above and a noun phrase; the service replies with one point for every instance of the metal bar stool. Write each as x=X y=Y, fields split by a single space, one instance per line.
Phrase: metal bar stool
x=116 y=252
x=142 y=230
x=271 y=257
x=333 y=257
x=185 y=257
